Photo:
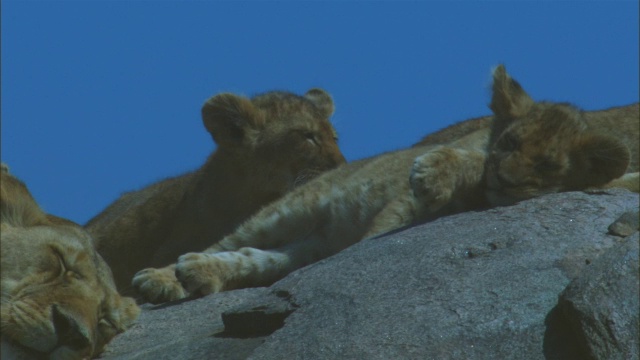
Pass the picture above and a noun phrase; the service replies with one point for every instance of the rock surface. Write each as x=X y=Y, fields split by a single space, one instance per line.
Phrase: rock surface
x=601 y=305
x=626 y=224
x=479 y=285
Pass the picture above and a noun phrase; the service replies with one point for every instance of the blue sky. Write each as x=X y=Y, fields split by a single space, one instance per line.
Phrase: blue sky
x=100 y=97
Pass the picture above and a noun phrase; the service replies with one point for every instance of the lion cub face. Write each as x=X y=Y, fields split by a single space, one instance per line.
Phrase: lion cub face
x=286 y=138
x=540 y=148
x=58 y=295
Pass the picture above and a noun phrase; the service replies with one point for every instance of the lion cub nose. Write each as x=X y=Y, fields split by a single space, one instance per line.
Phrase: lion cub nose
x=71 y=333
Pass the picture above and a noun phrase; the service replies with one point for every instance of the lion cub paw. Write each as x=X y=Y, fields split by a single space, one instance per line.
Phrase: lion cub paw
x=158 y=285
x=201 y=273
x=432 y=179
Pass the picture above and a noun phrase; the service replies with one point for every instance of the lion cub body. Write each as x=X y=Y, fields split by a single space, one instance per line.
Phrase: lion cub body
x=442 y=174
x=267 y=145
x=536 y=148
x=58 y=296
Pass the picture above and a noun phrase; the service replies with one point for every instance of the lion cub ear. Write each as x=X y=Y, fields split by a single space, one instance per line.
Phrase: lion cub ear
x=599 y=159
x=17 y=206
x=508 y=100
x=229 y=117
x=322 y=100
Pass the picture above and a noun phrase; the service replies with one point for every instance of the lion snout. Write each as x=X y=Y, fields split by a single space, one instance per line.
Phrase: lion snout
x=71 y=332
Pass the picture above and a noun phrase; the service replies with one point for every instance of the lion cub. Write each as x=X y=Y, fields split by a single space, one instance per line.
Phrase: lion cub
x=58 y=297
x=267 y=145
x=535 y=149
x=373 y=196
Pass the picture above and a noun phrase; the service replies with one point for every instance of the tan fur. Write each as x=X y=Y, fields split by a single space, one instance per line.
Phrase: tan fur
x=57 y=296
x=369 y=197
x=267 y=145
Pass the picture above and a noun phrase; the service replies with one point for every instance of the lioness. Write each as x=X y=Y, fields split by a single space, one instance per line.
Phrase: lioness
x=373 y=196
x=267 y=145
x=58 y=296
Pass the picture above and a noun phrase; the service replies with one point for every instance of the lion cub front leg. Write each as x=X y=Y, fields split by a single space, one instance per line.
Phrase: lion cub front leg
x=439 y=174
x=204 y=273
x=207 y=273
x=158 y=285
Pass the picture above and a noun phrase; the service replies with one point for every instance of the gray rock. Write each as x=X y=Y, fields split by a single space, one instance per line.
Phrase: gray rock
x=626 y=224
x=472 y=286
x=601 y=305
x=479 y=285
x=188 y=330
x=476 y=285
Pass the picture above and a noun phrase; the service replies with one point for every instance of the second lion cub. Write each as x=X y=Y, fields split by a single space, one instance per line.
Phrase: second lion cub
x=267 y=145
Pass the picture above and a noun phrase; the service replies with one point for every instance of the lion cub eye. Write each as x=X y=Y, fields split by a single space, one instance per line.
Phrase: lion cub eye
x=310 y=137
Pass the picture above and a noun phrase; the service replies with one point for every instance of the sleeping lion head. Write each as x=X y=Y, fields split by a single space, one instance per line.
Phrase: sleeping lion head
x=538 y=148
x=57 y=294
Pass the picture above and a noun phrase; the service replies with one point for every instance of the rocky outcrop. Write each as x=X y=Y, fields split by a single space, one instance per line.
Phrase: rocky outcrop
x=543 y=279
